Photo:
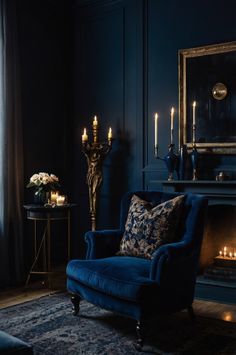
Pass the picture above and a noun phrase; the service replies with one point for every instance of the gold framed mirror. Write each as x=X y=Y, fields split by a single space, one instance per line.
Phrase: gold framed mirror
x=207 y=76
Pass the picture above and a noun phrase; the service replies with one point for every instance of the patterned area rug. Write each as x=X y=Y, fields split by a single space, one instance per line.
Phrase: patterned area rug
x=49 y=326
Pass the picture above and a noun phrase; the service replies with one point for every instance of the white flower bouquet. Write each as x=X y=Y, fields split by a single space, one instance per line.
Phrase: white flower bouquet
x=43 y=182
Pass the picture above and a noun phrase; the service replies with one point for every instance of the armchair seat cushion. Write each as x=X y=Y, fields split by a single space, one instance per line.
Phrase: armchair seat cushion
x=124 y=277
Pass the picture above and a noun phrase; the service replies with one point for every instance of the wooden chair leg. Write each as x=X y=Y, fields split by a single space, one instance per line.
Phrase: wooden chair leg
x=140 y=336
x=75 y=299
x=191 y=313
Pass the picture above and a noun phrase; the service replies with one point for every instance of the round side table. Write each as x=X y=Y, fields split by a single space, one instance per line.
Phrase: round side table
x=43 y=244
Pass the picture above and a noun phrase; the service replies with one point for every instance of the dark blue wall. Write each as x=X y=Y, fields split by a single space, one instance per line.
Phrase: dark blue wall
x=126 y=68
x=117 y=59
x=108 y=83
x=172 y=26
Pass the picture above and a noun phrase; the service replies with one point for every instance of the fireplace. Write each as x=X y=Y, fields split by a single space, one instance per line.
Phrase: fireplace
x=217 y=272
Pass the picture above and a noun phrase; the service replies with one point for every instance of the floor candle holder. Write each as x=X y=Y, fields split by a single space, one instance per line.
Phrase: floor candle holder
x=95 y=153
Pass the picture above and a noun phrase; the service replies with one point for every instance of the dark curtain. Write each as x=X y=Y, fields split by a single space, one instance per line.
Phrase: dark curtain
x=11 y=151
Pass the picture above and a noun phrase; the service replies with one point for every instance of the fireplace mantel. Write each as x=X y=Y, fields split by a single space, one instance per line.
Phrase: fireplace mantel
x=217 y=192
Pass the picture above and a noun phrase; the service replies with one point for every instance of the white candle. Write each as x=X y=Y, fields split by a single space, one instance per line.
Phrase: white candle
x=84 y=136
x=171 y=124
x=194 y=121
x=225 y=251
x=156 y=128
x=61 y=200
x=194 y=112
x=95 y=121
x=110 y=134
x=172 y=117
x=54 y=195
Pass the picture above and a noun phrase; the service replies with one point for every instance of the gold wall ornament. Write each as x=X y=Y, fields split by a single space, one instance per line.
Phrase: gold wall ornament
x=219 y=91
x=95 y=153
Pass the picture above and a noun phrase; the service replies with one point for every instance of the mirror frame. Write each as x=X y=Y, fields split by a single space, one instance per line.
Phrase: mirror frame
x=183 y=55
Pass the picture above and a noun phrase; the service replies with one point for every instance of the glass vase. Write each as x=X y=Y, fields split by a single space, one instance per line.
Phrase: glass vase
x=41 y=197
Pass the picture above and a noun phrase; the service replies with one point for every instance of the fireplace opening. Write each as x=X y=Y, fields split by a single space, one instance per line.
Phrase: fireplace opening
x=218 y=253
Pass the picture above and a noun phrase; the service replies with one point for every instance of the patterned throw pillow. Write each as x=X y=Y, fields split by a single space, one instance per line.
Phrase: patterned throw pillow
x=148 y=227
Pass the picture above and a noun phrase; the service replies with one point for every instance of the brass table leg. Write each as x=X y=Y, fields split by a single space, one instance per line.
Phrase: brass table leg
x=49 y=249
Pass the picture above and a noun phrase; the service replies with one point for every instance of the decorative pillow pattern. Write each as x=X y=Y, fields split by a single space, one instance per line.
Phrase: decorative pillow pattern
x=148 y=227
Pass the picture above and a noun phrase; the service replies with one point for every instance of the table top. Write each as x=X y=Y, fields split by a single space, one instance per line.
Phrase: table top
x=48 y=208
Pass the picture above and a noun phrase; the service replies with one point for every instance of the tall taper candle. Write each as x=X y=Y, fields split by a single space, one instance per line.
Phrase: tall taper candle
x=172 y=125
x=194 y=121
x=194 y=112
x=156 y=128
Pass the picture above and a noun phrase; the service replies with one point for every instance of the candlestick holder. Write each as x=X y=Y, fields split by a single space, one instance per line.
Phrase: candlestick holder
x=156 y=147
x=195 y=161
x=95 y=153
x=172 y=162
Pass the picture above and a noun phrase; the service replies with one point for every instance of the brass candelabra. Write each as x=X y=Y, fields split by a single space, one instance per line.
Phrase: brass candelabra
x=95 y=153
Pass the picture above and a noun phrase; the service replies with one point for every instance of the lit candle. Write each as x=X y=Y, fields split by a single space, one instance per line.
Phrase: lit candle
x=194 y=121
x=220 y=253
x=235 y=254
x=156 y=128
x=54 y=195
x=194 y=112
x=84 y=136
x=172 y=124
x=230 y=254
x=225 y=251
x=61 y=200
x=110 y=134
x=95 y=121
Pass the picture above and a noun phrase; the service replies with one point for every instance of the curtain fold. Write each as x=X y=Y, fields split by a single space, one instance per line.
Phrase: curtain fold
x=11 y=151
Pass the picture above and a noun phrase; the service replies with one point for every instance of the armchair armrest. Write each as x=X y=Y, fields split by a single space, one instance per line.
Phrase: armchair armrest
x=103 y=243
x=172 y=261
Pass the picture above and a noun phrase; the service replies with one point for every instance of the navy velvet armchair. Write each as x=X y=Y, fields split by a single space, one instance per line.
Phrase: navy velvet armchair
x=137 y=287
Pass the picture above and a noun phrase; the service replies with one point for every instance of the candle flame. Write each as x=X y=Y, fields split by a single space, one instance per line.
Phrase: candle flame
x=172 y=110
x=194 y=104
x=110 y=133
x=85 y=131
x=156 y=116
x=227 y=316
